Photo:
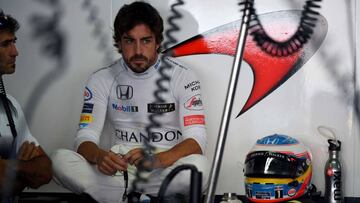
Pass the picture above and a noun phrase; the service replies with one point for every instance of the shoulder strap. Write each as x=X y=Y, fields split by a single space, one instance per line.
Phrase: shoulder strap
x=6 y=105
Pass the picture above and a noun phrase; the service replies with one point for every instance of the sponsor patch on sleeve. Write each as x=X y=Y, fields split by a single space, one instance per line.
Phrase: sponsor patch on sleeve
x=87 y=94
x=88 y=108
x=194 y=103
x=194 y=120
x=85 y=119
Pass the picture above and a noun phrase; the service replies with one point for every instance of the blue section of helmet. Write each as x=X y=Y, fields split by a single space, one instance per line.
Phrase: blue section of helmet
x=270 y=191
x=277 y=139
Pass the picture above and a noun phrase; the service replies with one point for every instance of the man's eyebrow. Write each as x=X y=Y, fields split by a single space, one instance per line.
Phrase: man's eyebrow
x=127 y=37
x=149 y=37
x=8 y=41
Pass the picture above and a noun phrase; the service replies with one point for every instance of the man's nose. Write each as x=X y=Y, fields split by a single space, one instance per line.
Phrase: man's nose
x=138 y=48
x=14 y=52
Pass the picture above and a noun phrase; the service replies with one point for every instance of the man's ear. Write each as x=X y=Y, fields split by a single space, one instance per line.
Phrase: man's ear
x=118 y=46
x=158 y=48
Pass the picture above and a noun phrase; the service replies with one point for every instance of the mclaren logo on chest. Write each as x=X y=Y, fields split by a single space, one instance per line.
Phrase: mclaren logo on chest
x=124 y=92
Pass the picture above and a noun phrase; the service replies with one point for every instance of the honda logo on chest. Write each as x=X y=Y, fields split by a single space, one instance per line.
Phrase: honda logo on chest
x=124 y=92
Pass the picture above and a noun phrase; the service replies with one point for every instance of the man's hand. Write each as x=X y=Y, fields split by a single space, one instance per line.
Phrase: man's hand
x=33 y=167
x=109 y=163
x=137 y=157
x=28 y=151
x=134 y=156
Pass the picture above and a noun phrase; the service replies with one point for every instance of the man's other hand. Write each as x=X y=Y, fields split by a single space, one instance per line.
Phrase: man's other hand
x=109 y=163
x=28 y=151
x=135 y=156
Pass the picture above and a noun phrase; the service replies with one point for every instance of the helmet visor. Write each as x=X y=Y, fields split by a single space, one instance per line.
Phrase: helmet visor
x=270 y=165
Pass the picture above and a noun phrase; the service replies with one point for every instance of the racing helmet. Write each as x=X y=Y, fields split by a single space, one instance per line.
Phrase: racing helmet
x=278 y=168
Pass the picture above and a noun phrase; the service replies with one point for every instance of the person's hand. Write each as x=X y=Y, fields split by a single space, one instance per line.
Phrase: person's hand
x=109 y=163
x=135 y=156
x=28 y=151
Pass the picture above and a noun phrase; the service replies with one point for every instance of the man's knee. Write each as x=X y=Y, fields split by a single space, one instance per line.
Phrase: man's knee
x=70 y=170
x=61 y=157
x=64 y=155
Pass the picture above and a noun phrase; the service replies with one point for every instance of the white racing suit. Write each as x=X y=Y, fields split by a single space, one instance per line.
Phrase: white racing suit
x=126 y=99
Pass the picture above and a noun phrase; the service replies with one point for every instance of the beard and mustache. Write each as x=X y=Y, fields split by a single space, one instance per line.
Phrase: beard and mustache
x=139 y=63
x=139 y=57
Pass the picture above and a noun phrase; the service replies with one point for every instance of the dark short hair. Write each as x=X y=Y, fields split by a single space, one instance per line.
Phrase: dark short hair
x=8 y=23
x=134 y=14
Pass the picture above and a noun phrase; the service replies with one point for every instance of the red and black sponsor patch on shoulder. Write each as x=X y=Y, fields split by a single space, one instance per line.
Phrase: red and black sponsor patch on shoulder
x=194 y=103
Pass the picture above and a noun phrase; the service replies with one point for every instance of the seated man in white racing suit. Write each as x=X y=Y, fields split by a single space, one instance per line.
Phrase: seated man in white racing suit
x=123 y=93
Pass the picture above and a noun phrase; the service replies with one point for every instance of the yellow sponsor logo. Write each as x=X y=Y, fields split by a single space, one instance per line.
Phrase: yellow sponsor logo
x=86 y=118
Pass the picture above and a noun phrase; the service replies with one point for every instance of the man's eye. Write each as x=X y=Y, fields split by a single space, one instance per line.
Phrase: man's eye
x=7 y=43
x=128 y=41
x=146 y=41
x=4 y=44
